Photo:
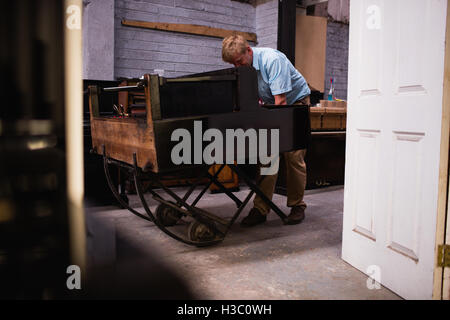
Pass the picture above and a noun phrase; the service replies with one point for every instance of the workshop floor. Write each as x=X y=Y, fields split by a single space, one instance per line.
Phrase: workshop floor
x=269 y=261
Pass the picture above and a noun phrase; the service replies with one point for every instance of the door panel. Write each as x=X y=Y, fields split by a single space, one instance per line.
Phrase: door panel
x=371 y=50
x=403 y=217
x=364 y=212
x=410 y=55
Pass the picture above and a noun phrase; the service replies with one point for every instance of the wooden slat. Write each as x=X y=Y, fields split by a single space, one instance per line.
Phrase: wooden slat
x=188 y=28
x=93 y=102
x=310 y=49
x=122 y=138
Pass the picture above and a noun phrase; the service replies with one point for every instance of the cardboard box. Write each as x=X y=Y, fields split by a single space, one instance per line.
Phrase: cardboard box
x=333 y=104
x=328 y=118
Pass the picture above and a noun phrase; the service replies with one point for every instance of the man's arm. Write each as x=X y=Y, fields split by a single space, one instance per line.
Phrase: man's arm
x=280 y=99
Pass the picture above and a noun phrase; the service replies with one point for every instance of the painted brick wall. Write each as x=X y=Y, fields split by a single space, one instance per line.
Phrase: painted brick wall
x=267 y=23
x=337 y=58
x=139 y=51
x=98 y=39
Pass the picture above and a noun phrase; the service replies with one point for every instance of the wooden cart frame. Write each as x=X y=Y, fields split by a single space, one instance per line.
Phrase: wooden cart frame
x=131 y=144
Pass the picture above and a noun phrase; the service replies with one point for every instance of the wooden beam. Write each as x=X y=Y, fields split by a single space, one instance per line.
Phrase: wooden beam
x=441 y=283
x=189 y=29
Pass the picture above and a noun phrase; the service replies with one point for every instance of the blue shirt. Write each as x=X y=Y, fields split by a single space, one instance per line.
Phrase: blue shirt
x=277 y=75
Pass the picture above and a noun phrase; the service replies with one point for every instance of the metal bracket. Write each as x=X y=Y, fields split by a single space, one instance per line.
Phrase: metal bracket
x=444 y=255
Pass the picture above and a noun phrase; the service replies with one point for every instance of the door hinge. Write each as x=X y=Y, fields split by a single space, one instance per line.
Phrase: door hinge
x=444 y=255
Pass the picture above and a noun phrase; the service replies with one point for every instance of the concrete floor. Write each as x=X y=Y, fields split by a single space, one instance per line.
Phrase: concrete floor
x=269 y=261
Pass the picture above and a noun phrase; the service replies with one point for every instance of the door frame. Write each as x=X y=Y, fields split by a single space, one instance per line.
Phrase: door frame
x=443 y=193
x=73 y=57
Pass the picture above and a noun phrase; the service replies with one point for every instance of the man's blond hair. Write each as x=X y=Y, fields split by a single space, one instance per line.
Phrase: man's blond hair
x=233 y=45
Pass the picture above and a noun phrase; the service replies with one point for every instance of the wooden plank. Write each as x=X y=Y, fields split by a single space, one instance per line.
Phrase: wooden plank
x=310 y=49
x=333 y=104
x=334 y=121
x=189 y=29
x=122 y=137
x=316 y=115
x=154 y=98
x=93 y=102
x=441 y=283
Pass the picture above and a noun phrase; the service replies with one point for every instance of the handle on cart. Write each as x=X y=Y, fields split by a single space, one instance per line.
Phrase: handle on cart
x=139 y=86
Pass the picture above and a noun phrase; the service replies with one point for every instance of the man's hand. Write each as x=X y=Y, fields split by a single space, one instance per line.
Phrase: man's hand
x=280 y=99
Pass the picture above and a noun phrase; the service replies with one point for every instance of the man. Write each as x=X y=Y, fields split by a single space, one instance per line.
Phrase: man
x=279 y=83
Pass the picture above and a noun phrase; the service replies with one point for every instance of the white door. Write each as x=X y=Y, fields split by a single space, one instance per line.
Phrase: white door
x=396 y=63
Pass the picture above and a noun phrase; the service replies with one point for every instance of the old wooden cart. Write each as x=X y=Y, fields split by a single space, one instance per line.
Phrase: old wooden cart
x=138 y=139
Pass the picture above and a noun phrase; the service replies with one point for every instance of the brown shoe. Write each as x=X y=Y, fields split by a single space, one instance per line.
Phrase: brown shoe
x=296 y=216
x=254 y=217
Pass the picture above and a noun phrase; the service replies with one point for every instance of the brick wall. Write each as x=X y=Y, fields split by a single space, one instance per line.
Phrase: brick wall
x=139 y=51
x=336 y=66
x=267 y=23
x=98 y=39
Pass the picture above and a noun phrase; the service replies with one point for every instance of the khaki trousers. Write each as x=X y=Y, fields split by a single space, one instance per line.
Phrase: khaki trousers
x=296 y=182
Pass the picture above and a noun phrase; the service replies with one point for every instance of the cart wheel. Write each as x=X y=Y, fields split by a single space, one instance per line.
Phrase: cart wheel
x=167 y=216
x=200 y=232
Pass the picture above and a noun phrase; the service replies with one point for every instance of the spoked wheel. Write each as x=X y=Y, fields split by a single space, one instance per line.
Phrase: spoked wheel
x=200 y=232
x=167 y=215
